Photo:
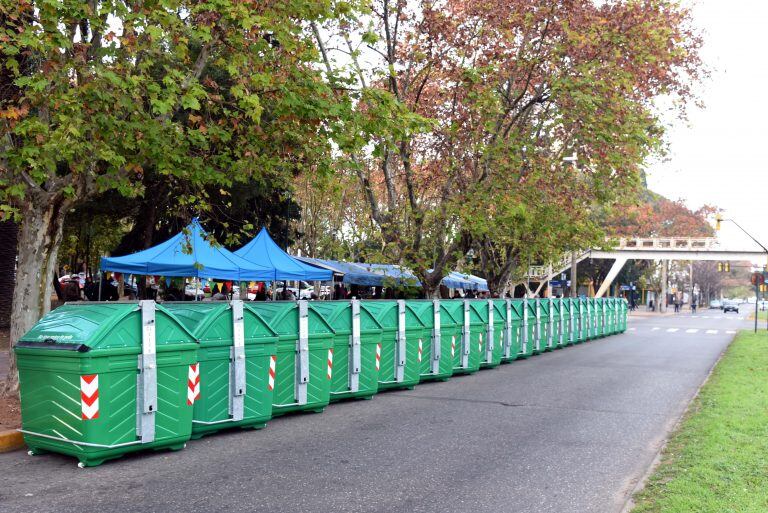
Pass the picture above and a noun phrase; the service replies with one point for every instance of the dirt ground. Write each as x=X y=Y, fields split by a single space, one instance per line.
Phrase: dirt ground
x=10 y=411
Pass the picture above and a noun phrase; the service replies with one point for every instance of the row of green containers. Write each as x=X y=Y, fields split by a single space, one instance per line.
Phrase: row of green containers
x=99 y=380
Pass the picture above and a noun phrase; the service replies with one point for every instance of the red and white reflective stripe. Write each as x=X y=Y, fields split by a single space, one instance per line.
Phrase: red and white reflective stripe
x=272 y=365
x=193 y=383
x=453 y=346
x=330 y=363
x=89 y=396
x=480 y=342
x=419 y=349
x=378 y=356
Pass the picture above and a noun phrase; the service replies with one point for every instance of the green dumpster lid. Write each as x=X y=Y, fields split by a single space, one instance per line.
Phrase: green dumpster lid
x=212 y=320
x=338 y=315
x=88 y=326
x=283 y=318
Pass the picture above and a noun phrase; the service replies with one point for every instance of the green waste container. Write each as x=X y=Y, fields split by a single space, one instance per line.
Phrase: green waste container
x=401 y=331
x=538 y=333
x=238 y=356
x=99 y=380
x=493 y=347
x=356 y=348
x=547 y=324
x=622 y=315
x=522 y=311
x=612 y=314
x=580 y=317
x=514 y=318
x=568 y=320
x=456 y=321
x=592 y=309
x=304 y=366
x=434 y=348
x=602 y=310
x=558 y=332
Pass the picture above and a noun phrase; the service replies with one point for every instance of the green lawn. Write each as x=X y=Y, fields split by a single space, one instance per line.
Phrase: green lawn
x=718 y=460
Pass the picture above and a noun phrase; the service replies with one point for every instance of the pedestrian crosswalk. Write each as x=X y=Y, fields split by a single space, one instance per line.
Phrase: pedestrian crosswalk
x=688 y=331
x=721 y=316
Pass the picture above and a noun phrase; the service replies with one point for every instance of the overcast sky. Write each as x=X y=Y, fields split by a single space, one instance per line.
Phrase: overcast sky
x=720 y=156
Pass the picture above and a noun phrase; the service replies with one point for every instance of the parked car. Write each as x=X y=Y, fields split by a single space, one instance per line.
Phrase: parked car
x=715 y=303
x=191 y=290
x=730 y=306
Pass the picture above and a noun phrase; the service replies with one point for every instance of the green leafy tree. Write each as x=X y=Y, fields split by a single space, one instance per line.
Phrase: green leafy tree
x=196 y=92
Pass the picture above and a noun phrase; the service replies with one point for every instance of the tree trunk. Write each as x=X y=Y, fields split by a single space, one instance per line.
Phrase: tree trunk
x=39 y=239
x=9 y=232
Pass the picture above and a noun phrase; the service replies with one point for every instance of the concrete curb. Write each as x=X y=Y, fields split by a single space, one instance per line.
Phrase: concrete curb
x=11 y=440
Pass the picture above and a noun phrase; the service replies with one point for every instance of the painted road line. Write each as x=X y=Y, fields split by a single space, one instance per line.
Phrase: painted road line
x=712 y=332
x=672 y=330
x=631 y=329
x=730 y=332
x=692 y=330
x=655 y=328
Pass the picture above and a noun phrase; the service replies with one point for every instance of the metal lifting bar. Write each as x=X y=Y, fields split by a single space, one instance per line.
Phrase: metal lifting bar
x=435 y=361
x=146 y=401
x=537 y=326
x=354 y=347
x=400 y=356
x=524 y=341
x=508 y=330
x=302 y=354
x=550 y=324
x=237 y=363
x=489 y=336
x=465 y=332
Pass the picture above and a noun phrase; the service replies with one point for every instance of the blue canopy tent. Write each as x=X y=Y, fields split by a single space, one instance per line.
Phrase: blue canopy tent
x=481 y=283
x=188 y=255
x=263 y=251
x=456 y=280
x=352 y=274
x=401 y=275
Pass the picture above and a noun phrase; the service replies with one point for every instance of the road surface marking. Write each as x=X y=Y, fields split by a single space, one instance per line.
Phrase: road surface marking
x=655 y=329
x=731 y=332
x=712 y=332
x=671 y=330
x=631 y=329
x=692 y=330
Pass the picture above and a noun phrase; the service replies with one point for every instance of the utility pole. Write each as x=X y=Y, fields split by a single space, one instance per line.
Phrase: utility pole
x=663 y=298
x=574 y=275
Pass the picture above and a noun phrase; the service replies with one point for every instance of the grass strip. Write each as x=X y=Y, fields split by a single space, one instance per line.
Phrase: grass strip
x=717 y=461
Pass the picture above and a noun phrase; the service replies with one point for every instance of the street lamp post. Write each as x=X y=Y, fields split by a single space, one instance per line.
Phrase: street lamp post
x=719 y=220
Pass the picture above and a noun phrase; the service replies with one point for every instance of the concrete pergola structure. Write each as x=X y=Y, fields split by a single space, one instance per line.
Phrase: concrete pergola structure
x=648 y=248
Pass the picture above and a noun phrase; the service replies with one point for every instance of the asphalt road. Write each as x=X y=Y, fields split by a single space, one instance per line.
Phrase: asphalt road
x=570 y=431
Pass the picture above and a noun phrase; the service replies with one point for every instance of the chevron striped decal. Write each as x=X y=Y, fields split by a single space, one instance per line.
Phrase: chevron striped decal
x=330 y=364
x=89 y=396
x=193 y=383
x=453 y=346
x=378 y=356
x=272 y=366
x=420 y=344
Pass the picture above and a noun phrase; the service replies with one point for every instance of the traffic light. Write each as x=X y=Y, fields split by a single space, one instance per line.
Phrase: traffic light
x=727 y=266
x=719 y=267
x=718 y=220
